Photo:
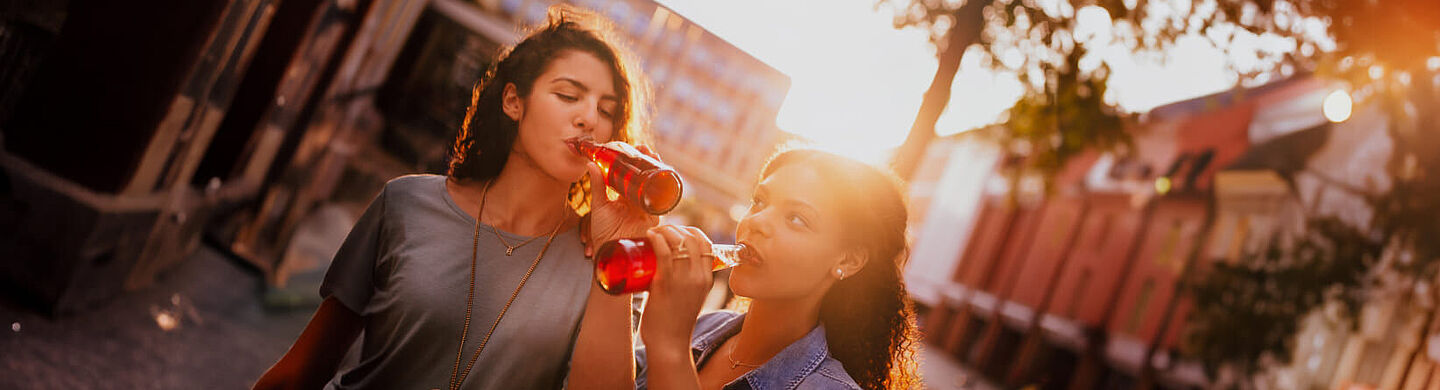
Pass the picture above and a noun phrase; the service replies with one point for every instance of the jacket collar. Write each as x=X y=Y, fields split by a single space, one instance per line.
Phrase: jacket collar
x=785 y=370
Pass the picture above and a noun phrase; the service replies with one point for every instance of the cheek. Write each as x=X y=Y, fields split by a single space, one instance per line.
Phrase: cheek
x=812 y=251
x=795 y=269
x=606 y=132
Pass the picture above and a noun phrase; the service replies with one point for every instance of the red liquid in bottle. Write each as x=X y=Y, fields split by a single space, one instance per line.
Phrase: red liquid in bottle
x=643 y=180
x=628 y=265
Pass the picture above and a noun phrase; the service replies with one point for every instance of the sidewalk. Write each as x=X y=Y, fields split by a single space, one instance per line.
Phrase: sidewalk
x=942 y=372
x=202 y=326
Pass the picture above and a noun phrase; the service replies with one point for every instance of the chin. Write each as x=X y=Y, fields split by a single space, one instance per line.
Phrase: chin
x=751 y=283
x=572 y=168
x=739 y=284
x=566 y=171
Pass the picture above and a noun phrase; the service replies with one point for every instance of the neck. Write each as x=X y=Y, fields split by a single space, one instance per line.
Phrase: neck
x=772 y=325
x=522 y=199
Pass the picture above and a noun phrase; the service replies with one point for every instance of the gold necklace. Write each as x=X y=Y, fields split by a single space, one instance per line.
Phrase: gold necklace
x=731 y=356
x=456 y=376
x=509 y=249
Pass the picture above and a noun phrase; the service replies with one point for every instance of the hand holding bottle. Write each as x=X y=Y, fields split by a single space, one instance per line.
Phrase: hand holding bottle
x=610 y=220
x=682 y=278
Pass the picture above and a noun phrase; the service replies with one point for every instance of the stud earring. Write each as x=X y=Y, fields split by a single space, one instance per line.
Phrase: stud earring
x=839 y=273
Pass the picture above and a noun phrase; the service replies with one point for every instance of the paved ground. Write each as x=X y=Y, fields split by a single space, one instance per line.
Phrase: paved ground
x=940 y=371
x=220 y=337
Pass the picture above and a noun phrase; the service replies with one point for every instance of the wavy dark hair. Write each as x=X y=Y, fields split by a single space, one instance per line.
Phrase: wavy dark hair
x=869 y=318
x=487 y=135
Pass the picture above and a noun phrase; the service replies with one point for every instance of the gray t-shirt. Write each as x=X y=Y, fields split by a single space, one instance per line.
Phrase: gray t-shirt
x=405 y=267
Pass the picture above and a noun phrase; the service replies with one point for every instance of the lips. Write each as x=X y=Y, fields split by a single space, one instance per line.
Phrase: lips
x=572 y=146
x=750 y=255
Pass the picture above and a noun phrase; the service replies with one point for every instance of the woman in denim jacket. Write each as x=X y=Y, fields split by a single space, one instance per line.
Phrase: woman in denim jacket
x=827 y=308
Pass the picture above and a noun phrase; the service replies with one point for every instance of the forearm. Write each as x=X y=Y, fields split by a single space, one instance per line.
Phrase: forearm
x=604 y=356
x=317 y=353
x=671 y=368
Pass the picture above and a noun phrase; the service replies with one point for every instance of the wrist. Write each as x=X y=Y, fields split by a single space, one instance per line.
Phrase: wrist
x=665 y=339
x=668 y=354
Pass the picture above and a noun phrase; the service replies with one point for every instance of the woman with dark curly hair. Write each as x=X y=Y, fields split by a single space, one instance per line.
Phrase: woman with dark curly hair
x=478 y=279
x=827 y=307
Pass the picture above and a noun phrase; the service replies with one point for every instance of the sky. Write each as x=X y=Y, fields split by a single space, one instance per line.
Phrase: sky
x=857 y=82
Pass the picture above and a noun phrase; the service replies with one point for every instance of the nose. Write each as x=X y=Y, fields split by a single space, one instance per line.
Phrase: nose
x=754 y=225
x=586 y=119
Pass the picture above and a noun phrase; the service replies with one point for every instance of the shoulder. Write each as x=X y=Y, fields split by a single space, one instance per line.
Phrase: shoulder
x=716 y=318
x=409 y=184
x=830 y=375
x=411 y=190
x=710 y=321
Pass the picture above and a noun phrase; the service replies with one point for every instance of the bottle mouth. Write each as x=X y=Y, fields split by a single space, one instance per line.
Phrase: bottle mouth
x=660 y=192
x=747 y=254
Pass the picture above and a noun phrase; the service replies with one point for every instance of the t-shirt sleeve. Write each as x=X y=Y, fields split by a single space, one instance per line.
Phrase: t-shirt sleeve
x=350 y=278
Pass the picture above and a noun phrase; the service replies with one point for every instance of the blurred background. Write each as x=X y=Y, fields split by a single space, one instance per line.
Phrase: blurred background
x=1106 y=194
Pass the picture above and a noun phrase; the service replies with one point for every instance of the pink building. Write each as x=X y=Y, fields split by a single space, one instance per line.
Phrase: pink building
x=1079 y=288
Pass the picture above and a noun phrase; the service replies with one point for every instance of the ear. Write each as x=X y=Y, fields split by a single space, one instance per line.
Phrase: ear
x=850 y=264
x=511 y=102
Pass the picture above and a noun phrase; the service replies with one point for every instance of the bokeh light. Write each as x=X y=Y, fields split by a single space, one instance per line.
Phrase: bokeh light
x=1337 y=106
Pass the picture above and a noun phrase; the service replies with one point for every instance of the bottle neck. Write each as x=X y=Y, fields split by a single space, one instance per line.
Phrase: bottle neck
x=726 y=255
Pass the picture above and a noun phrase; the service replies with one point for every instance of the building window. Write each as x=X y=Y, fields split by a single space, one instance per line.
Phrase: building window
x=658 y=71
x=511 y=6
x=699 y=57
x=1147 y=290
x=537 y=11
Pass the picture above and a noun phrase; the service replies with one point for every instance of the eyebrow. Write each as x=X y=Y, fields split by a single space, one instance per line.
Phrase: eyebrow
x=582 y=87
x=802 y=205
x=762 y=189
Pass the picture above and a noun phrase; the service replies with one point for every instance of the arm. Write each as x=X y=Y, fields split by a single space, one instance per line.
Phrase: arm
x=604 y=351
x=604 y=356
x=315 y=356
x=676 y=295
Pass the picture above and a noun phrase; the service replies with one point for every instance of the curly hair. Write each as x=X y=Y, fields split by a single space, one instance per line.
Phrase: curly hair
x=487 y=135
x=868 y=317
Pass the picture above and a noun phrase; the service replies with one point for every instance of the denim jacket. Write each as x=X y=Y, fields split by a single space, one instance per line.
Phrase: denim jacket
x=804 y=365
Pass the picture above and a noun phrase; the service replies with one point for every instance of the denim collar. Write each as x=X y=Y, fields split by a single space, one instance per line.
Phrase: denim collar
x=782 y=372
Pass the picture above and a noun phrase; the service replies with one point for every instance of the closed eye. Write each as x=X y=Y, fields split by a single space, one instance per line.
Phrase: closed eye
x=797 y=220
x=567 y=98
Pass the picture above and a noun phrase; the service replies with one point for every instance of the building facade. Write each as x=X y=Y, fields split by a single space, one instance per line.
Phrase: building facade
x=1081 y=288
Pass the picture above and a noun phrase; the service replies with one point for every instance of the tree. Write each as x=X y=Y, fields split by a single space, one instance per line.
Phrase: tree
x=964 y=25
x=1269 y=293
x=1046 y=44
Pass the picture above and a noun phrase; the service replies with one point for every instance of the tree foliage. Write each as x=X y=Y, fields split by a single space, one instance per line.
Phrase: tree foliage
x=1048 y=43
x=1267 y=294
